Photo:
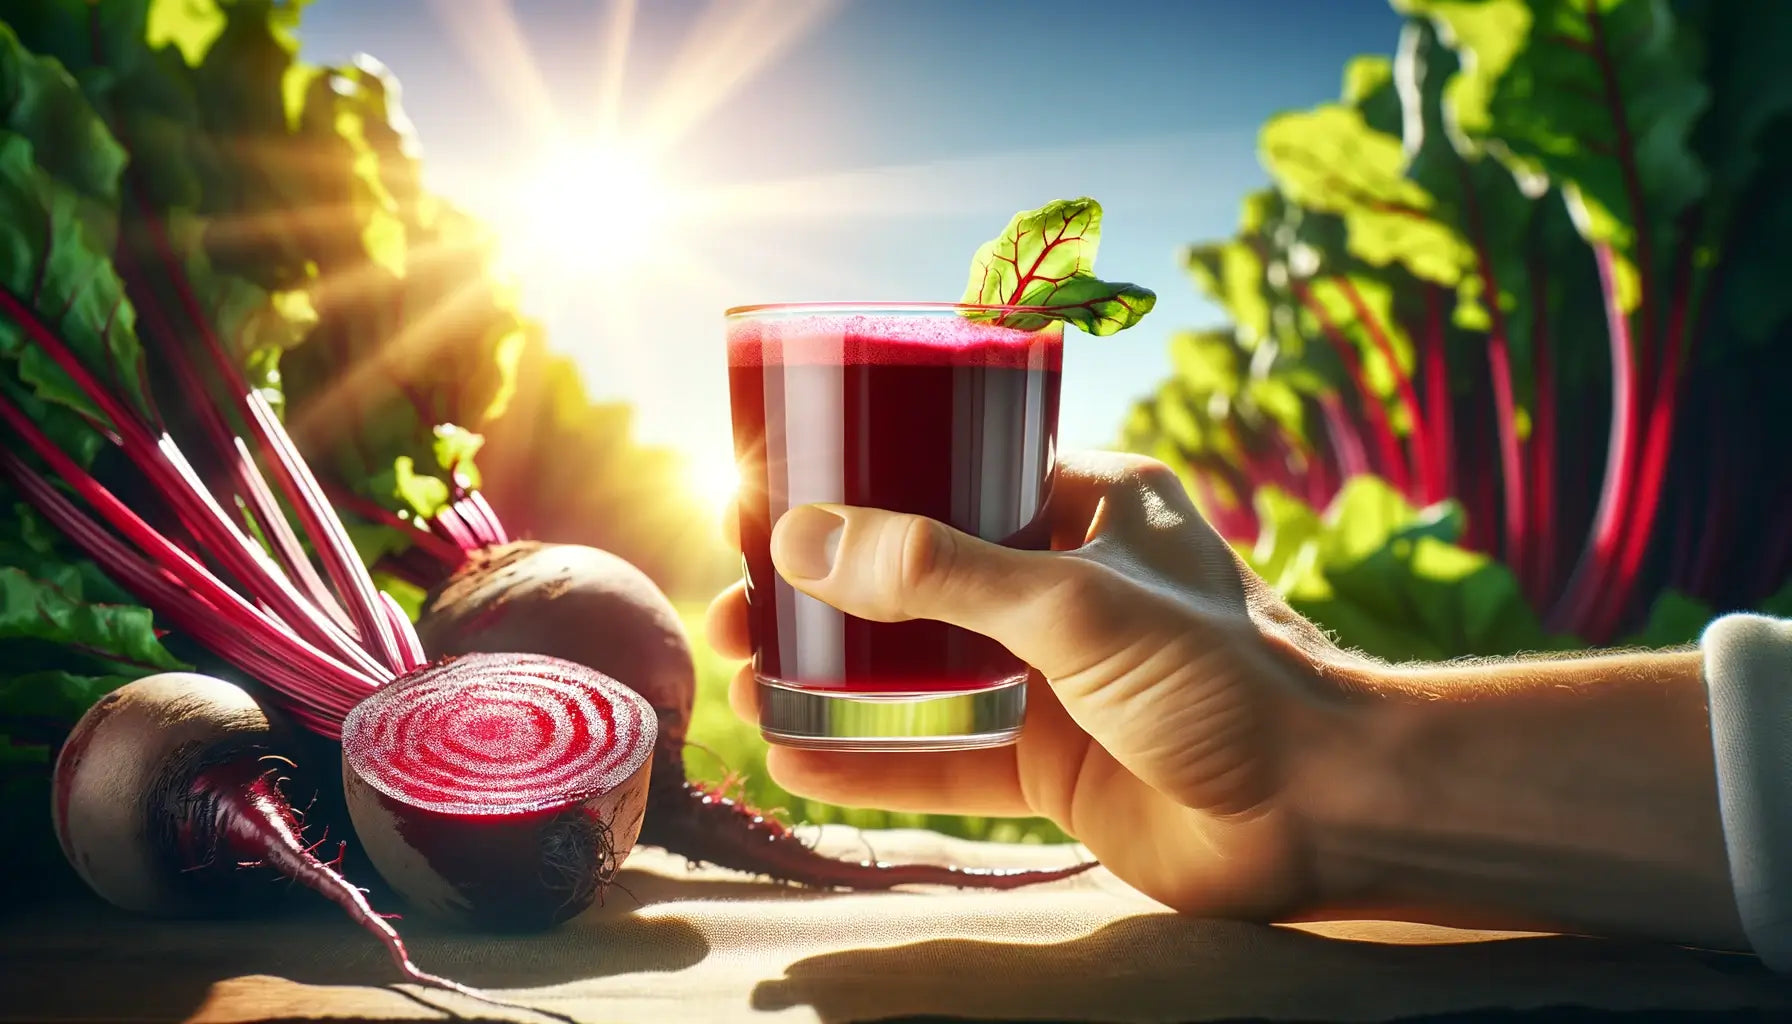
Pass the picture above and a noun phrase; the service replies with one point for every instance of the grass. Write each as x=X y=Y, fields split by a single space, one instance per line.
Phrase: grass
x=722 y=746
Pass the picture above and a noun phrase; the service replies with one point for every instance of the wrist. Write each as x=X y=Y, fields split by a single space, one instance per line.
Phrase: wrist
x=1566 y=795
x=1345 y=779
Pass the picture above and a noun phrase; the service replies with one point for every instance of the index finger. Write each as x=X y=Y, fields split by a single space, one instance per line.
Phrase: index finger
x=725 y=623
x=1081 y=482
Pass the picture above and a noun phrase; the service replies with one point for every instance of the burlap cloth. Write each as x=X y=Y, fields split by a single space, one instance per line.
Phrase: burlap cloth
x=710 y=945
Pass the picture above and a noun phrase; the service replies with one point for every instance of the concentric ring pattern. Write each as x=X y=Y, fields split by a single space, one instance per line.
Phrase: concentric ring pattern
x=498 y=734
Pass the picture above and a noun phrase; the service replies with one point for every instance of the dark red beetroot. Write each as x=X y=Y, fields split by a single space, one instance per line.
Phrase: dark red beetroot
x=167 y=789
x=591 y=607
x=499 y=790
x=130 y=784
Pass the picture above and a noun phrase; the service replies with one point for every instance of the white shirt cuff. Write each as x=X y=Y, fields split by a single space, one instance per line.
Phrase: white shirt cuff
x=1748 y=677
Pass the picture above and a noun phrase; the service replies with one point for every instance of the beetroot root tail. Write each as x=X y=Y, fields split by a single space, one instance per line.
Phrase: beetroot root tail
x=702 y=825
x=255 y=822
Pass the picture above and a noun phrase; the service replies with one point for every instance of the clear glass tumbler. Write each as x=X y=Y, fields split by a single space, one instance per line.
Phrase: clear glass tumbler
x=913 y=407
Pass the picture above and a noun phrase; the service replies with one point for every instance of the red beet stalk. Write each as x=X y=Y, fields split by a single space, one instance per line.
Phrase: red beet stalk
x=1409 y=398
x=1499 y=365
x=1389 y=461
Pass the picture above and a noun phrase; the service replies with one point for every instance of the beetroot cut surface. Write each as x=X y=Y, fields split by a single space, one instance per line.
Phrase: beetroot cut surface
x=499 y=790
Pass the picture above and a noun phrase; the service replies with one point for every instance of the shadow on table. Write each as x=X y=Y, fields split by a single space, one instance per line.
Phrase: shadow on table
x=1168 y=967
x=86 y=960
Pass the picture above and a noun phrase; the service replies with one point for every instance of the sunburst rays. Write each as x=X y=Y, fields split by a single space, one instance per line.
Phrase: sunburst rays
x=701 y=238
x=725 y=48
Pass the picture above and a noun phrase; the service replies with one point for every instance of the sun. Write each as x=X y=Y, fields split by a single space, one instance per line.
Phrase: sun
x=713 y=479
x=588 y=206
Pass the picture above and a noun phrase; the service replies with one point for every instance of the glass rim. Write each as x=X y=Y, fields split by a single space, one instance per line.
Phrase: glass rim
x=756 y=309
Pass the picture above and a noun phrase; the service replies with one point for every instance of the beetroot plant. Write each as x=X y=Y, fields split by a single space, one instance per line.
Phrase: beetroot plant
x=1524 y=267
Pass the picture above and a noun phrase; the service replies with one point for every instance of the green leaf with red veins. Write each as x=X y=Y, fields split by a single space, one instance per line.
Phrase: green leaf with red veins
x=1601 y=95
x=1046 y=258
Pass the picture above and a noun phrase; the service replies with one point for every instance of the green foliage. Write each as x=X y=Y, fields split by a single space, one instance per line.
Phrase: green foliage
x=50 y=609
x=60 y=612
x=52 y=263
x=405 y=353
x=1544 y=243
x=1599 y=96
x=1389 y=579
x=1046 y=258
x=285 y=199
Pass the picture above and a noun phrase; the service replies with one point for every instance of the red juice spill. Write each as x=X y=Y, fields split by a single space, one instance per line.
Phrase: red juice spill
x=939 y=416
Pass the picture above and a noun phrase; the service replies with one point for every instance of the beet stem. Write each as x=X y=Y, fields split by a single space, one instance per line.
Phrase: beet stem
x=228 y=448
x=411 y=652
x=418 y=536
x=319 y=521
x=187 y=609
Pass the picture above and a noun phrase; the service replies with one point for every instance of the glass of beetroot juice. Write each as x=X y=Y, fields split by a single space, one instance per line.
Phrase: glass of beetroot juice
x=915 y=408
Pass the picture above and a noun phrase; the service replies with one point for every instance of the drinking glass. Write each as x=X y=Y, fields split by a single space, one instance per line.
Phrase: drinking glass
x=934 y=409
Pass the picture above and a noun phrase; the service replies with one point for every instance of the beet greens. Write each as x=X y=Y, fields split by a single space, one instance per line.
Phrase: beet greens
x=1523 y=266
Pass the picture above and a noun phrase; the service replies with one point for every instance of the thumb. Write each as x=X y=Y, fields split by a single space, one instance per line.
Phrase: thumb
x=890 y=566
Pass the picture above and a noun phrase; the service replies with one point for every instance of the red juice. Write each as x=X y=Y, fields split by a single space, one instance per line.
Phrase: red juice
x=914 y=410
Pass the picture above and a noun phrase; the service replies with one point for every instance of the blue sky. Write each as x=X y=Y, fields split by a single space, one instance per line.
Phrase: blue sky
x=898 y=134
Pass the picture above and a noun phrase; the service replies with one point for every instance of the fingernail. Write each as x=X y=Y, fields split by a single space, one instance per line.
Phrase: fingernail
x=808 y=539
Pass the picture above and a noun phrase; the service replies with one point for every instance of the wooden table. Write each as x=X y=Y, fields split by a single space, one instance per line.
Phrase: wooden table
x=709 y=945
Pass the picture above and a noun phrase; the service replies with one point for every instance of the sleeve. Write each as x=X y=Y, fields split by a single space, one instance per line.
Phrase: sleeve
x=1748 y=679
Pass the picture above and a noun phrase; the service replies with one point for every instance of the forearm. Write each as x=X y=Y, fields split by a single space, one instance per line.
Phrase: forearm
x=1574 y=795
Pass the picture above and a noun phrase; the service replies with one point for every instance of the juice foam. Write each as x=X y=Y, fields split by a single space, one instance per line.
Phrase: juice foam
x=870 y=339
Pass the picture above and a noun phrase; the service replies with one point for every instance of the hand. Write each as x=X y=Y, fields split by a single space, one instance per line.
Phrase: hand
x=1173 y=697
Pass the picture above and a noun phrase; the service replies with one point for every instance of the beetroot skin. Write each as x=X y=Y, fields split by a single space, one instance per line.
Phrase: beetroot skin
x=167 y=795
x=501 y=791
x=132 y=799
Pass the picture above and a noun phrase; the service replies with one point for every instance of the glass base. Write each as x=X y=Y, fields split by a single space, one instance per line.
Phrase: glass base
x=791 y=716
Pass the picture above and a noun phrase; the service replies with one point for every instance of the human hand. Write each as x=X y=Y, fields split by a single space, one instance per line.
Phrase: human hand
x=1173 y=700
